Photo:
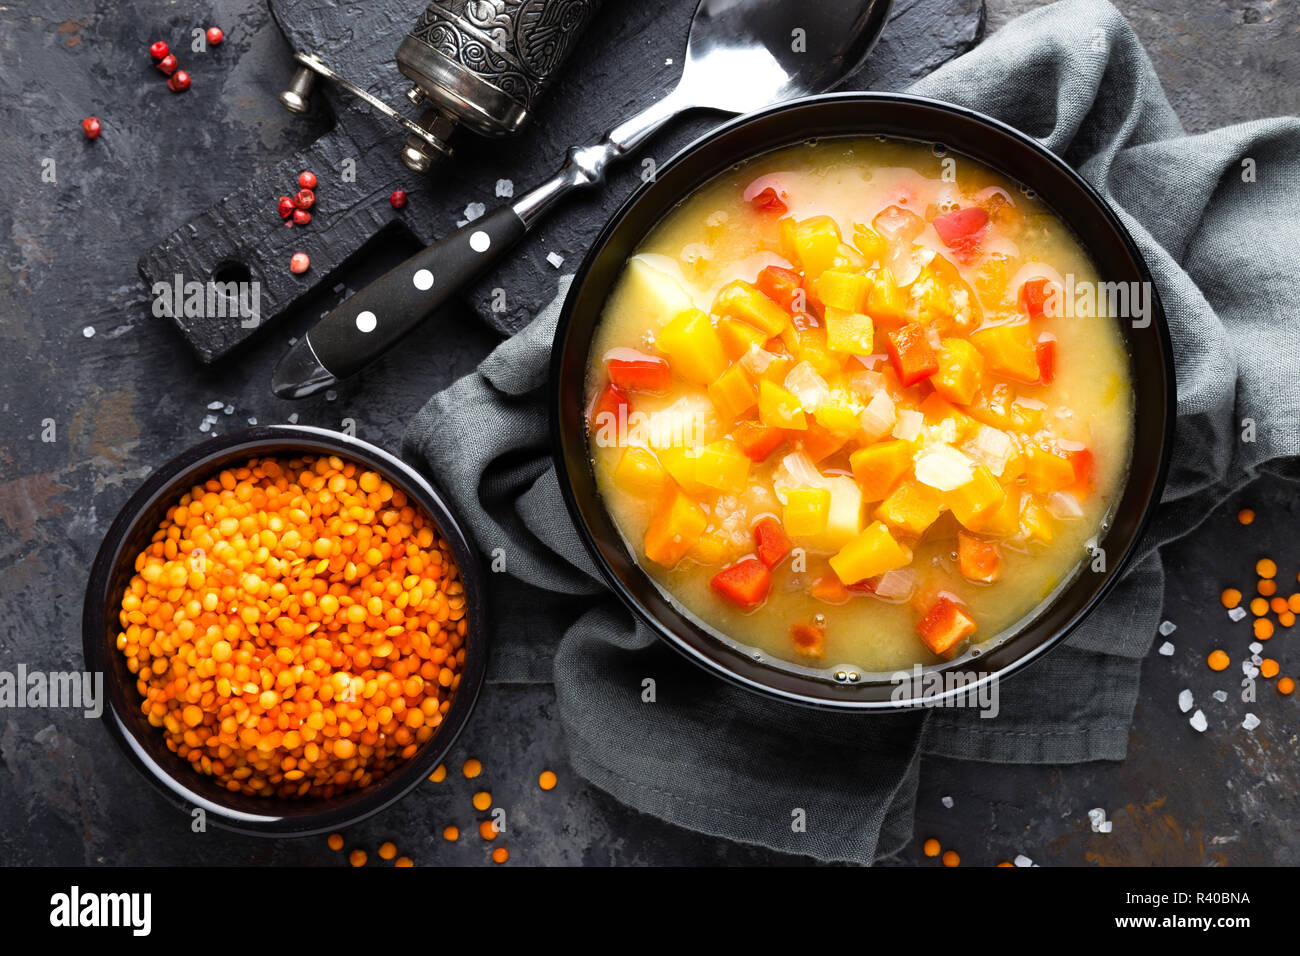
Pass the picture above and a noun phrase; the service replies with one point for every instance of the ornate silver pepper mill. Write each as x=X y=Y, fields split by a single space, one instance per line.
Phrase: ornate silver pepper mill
x=483 y=64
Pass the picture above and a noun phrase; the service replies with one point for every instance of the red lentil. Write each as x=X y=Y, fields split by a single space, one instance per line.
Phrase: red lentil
x=482 y=800
x=500 y=855
x=388 y=850
x=547 y=780
x=236 y=614
x=931 y=847
x=472 y=768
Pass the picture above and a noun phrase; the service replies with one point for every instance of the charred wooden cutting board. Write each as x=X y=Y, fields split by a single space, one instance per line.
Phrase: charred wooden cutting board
x=630 y=56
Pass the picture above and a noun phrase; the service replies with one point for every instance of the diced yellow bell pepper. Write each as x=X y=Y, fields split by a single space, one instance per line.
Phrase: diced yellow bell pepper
x=886 y=303
x=805 y=511
x=810 y=347
x=1045 y=471
x=779 y=408
x=843 y=289
x=739 y=337
x=837 y=416
x=872 y=552
x=639 y=473
x=1009 y=350
x=1035 y=522
x=733 y=393
x=961 y=371
x=693 y=346
x=812 y=244
x=911 y=507
x=877 y=468
x=741 y=300
x=674 y=528
x=723 y=466
x=680 y=464
x=849 y=332
x=974 y=501
x=870 y=243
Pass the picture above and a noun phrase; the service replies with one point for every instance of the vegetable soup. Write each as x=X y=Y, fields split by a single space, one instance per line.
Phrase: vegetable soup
x=853 y=404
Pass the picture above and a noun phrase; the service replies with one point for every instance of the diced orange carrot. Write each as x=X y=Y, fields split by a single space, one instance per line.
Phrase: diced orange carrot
x=745 y=584
x=945 y=626
x=771 y=542
x=877 y=468
x=674 y=528
x=830 y=590
x=757 y=441
x=1009 y=350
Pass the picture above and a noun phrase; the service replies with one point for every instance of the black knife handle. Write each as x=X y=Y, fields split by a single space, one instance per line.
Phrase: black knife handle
x=372 y=321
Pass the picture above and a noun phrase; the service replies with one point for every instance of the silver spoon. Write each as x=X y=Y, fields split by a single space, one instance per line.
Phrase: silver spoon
x=742 y=55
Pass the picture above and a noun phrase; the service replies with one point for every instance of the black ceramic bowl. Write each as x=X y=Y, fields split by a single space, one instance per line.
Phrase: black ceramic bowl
x=1007 y=150
x=143 y=744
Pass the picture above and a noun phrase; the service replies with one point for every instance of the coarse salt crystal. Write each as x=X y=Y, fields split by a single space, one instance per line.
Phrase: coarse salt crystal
x=1096 y=816
x=1255 y=647
x=555 y=259
x=293 y=419
x=1220 y=695
x=1022 y=860
x=252 y=421
x=947 y=802
x=213 y=406
x=1237 y=613
x=474 y=210
x=1105 y=827
x=88 y=331
x=330 y=395
x=228 y=410
x=1166 y=649
x=1249 y=669
x=1167 y=628
x=205 y=426
x=1185 y=701
x=1250 y=721
x=505 y=188
x=1198 y=722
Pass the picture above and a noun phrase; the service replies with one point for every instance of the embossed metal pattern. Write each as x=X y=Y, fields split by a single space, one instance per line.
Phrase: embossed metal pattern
x=515 y=45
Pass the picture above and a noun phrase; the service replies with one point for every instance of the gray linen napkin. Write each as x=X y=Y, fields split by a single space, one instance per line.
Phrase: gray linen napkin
x=1217 y=217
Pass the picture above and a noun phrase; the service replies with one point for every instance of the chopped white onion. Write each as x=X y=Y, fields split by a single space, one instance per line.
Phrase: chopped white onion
x=805 y=384
x=896 y=585
x=878 y=417
x=909 y=425
x=1064 y=505
x=943 y=467
x=756 y=360
x=993 y=447
x=796 y=471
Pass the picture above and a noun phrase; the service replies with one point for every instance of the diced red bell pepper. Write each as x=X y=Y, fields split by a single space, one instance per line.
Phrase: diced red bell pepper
x=769 y=200
x=780 y=285
x=960 y=224
x=1034 y=295
x=809 y=639
x=866 y=585
x=1045 y=351
x=636 y=372
x=613 y=401
x=757 y=441
x=911 y=354
x=1083 y=463
x=771 y=542
x=945 y=626
x=962 y=230
x=745 y=584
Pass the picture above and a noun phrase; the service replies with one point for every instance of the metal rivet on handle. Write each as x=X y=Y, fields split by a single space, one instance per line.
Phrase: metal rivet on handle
x=479 y=241
x=423 y=280
x=366 y=321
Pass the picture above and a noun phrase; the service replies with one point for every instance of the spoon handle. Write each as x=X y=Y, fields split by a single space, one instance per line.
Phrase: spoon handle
x=363 y=327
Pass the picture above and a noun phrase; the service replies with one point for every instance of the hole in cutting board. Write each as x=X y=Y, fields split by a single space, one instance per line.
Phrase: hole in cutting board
x=232 y=270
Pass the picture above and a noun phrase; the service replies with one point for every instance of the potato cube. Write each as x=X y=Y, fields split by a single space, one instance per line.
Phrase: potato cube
x=779 y=408
x=911 y=507
x=974 y=501
x=842 y=289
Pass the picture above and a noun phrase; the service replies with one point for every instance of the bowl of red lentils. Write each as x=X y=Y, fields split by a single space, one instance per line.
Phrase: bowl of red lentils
x=290 y=622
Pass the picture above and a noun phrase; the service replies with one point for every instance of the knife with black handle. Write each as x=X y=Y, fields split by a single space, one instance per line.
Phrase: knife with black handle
x=369 y=323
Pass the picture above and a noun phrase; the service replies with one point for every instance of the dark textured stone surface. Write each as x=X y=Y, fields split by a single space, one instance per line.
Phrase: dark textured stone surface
x=630 y=56
x=132 y=395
